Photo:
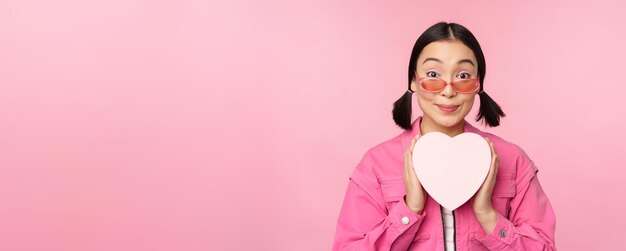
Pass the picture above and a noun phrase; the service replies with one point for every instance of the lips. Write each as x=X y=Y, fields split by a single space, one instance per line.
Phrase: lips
x=448 y=108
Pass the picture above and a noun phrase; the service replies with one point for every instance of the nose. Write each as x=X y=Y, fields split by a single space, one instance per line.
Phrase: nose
x=448 y=91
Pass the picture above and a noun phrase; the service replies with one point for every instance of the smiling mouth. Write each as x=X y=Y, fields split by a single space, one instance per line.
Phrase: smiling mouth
x=448 y=108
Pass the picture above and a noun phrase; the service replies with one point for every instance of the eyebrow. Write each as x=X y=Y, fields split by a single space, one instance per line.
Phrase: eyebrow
x=460 y=61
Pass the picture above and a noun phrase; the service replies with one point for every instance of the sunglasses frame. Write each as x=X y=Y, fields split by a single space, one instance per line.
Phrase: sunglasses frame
x=474 y=80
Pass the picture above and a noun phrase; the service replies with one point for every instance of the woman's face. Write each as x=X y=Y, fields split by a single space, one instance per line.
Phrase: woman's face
x=450 y=61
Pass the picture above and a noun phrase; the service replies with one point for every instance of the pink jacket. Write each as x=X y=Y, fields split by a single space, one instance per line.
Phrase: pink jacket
x=374 y=215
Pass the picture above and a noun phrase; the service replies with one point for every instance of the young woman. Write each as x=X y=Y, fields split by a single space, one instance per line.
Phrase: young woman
x=386 y=208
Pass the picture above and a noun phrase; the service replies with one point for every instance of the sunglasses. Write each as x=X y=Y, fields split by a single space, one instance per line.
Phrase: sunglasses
x=431 y=84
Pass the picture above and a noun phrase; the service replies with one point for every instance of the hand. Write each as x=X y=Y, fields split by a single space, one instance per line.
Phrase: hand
x=415 y=193
x=481 y=202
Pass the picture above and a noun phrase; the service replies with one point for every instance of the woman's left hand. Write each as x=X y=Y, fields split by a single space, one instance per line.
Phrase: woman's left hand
x=481 y=202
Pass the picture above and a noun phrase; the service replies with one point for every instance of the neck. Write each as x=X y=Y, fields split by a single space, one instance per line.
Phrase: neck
x=427 y=125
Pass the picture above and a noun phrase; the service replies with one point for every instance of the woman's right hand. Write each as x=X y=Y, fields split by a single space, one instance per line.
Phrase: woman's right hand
x=415 y=193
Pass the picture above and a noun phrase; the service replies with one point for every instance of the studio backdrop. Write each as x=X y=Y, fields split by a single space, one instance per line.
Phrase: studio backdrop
x=234 y=125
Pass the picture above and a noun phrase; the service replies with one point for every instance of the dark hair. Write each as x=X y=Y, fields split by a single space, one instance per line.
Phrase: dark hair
x=489 y=110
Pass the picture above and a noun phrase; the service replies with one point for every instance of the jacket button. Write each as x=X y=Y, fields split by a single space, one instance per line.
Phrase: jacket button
x=405 y=220
x=502 y=233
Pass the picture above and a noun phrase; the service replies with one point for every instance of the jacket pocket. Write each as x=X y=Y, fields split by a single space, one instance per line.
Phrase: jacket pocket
x=392 y=190
x=503 y=192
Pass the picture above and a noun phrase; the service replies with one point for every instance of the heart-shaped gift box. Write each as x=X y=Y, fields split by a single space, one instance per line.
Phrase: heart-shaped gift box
x=451 y=170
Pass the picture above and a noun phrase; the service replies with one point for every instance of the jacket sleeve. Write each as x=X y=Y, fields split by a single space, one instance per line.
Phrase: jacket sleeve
x=364 y=223
x=532 y=220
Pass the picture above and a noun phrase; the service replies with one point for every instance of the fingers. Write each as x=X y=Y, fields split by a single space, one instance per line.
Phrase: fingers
x=494 y=155
x=405 y=171
x=493 y=169
x=494 y=158
x=491 y=147
x=408 y=167
x=409 y=171
x=409 y=154
x=482 y=198
x=417 y=136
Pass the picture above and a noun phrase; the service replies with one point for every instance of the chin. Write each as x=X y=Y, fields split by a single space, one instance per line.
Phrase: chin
x=450 y=120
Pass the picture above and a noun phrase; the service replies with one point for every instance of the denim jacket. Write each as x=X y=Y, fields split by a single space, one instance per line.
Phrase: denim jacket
x=374 y=215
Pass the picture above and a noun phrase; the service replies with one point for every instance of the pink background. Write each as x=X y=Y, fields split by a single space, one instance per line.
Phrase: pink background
x=187 y=125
